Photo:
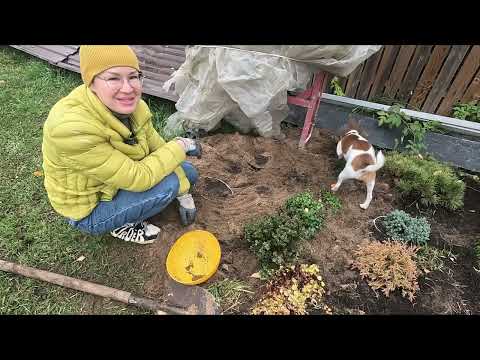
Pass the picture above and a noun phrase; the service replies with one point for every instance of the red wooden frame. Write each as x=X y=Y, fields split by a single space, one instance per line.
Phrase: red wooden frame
x=309 y=99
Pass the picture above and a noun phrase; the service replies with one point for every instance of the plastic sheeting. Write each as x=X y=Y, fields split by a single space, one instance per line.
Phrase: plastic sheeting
x=248 y=85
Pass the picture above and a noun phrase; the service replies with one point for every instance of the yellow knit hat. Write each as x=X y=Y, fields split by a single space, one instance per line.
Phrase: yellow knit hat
x=97 y=58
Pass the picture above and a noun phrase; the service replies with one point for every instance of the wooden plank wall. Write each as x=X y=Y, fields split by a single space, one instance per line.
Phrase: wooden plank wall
x=429 y=78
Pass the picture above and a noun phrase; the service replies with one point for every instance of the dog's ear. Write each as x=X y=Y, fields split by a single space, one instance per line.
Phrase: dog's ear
x=351 y=124
x=354 y=124
x=340 y=132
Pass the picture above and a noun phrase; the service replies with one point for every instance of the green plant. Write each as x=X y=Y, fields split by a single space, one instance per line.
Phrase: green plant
x=229 y=294
x=469 y=111
x=401 y=226
x=430 y=259
x=412 y=131
x=332 y=202
x=274 y=238
x=307 y=211
x=388 y=266
x=291 y=291
x=432 y=182
x=161 y=110
x=335 y=87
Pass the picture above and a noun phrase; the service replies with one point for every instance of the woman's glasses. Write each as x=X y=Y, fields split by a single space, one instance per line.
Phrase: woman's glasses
x=115 y=82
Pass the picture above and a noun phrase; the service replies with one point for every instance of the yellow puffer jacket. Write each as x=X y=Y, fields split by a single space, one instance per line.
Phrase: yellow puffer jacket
x=85 y=159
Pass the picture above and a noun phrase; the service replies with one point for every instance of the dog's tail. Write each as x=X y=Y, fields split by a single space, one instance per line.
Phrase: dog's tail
x=378 y=164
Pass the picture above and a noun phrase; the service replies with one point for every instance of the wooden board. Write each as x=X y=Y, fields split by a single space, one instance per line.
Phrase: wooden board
x=462 y=80
x=383 y=71
x=51 y=53
x=473 y=91
x=419 y=60
x=328 y=78
x=427 y=78
x=368 y=75
x=398 y=70
x=354 y=80
x=165 y=49
x=445 y=76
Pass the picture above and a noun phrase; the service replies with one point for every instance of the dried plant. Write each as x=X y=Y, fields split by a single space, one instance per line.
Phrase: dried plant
x=388 y=266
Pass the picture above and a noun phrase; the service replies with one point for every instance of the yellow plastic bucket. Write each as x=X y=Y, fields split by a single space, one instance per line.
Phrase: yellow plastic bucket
x=194 y=257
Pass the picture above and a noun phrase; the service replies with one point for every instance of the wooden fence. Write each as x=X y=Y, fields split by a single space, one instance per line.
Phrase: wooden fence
x=429 y=78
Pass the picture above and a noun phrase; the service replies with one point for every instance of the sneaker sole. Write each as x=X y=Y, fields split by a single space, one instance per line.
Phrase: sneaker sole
x=143 y=242
x=135 y=242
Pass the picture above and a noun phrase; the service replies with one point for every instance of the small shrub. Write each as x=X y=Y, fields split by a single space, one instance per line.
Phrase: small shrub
x=401 y=226
x=388 y=266
x=274 y=238
x=432 y=182
x=308 y=212
x=291 y=291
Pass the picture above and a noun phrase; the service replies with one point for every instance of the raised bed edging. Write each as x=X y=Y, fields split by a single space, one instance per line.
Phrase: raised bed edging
x=455 y=150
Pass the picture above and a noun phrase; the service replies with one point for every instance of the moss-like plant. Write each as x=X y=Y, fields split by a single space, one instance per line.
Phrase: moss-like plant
x=433 y=183
x=401 y=226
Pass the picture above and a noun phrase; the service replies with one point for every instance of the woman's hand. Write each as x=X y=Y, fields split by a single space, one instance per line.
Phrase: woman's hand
x=186 y=209
x=190 y=146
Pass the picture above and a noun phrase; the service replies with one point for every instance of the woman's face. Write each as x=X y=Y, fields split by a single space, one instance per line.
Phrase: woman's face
x=119 y=88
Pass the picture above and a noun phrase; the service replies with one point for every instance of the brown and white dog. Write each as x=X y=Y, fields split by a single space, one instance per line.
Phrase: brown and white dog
x=361 y=161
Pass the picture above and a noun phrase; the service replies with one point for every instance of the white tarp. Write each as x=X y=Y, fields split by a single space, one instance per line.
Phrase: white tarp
x=247 y=84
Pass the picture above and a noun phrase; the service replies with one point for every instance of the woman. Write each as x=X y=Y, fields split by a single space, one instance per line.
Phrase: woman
x=106 y=168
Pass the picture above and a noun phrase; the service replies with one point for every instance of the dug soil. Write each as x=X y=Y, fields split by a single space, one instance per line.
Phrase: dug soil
x=244 y=177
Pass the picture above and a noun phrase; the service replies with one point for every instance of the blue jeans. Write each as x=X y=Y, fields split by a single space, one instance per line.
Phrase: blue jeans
x=130 y=207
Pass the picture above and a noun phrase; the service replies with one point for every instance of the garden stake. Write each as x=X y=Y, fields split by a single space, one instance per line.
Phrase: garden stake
x=105 y=291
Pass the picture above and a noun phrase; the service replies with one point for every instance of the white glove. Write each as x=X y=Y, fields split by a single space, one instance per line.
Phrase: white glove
x=187 y=209
x=190 y=146
x=186 y=143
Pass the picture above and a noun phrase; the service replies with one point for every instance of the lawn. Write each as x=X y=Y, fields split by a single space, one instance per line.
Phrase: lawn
x=31 y=233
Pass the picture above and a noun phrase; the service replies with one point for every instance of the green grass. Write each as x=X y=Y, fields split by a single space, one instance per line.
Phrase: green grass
x=31 y=233
x=161 y=110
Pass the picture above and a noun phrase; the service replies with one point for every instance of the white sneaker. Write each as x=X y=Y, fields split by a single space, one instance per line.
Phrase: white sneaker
x=140 y=232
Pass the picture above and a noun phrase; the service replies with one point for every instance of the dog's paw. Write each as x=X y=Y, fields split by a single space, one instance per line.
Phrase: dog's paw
x=364 y=207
